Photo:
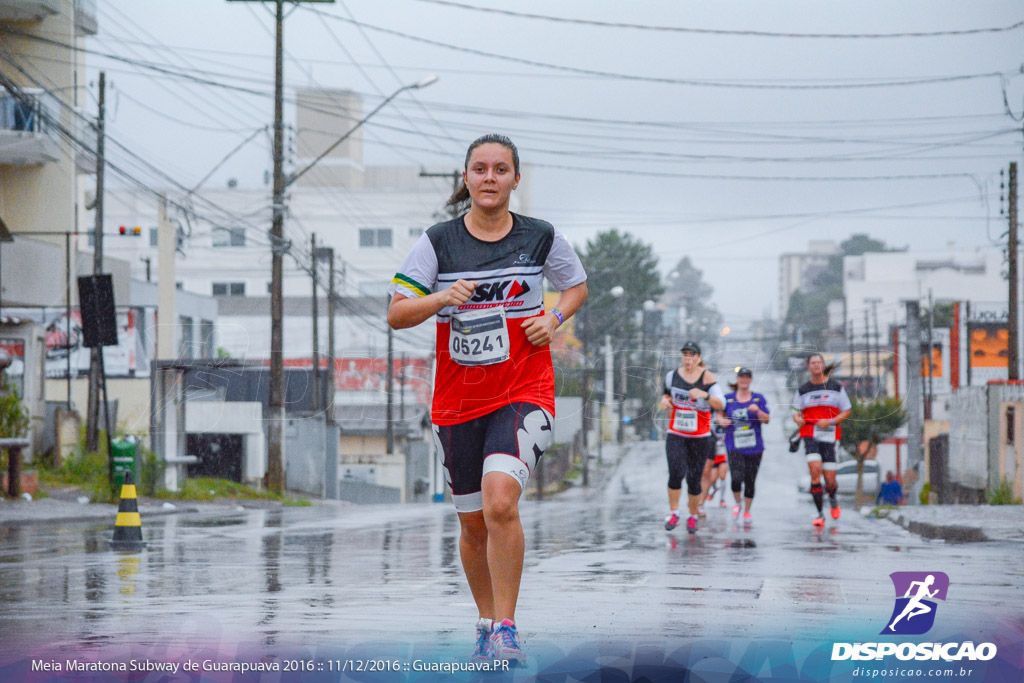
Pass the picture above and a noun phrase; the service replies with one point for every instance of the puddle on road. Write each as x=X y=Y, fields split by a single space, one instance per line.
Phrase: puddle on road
x=211 y=523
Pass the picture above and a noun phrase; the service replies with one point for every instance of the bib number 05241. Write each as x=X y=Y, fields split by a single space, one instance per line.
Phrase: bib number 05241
x=479 y=337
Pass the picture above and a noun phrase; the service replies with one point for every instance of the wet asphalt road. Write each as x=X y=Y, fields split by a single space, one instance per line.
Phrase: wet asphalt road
x=598 y=565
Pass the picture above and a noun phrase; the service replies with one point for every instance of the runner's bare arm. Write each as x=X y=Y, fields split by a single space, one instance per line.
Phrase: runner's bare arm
x=540 y=330
x=406 y=312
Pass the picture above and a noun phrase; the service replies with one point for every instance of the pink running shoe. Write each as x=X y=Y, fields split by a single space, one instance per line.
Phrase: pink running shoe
x=691 y=524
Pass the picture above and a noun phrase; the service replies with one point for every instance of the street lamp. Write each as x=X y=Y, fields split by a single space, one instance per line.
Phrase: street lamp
x=613 y=293
x=422 y=83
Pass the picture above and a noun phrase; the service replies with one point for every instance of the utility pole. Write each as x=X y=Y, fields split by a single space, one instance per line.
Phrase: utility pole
x=867 y=347
x=92 y=435
x=401 y=392
x=1011 y=253
x=456 y=177
x=913 y=344
x=878 y=349
x=329 y=253
x=1011 y=256
x=275 y=423
x=931 y=355
x=389 y=388
x=316 y=334
x=967 y=328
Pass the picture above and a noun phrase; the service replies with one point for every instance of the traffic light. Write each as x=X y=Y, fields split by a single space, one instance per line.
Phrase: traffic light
x=134 y=231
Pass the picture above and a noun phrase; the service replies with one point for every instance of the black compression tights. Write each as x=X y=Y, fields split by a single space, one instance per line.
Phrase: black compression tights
x=743 y=469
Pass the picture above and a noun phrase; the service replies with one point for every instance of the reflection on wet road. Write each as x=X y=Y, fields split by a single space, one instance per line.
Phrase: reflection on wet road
x=599 y=564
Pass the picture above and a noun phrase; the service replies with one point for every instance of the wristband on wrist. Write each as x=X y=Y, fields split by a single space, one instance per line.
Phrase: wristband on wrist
x=832 y=421
x=558 y=314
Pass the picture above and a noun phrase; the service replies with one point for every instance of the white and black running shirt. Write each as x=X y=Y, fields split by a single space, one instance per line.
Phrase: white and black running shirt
x=820 y=402
x=509 y=273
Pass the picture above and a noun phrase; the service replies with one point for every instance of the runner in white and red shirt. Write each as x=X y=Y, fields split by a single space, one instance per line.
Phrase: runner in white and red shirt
x=819 y=407
x=691 y=394
x=482 y=275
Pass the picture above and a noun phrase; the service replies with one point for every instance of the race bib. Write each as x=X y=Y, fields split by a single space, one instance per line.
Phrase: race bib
x=744 y=438
x=479 y=337
x=684 y=420
x=827 y=435
x=720 y=447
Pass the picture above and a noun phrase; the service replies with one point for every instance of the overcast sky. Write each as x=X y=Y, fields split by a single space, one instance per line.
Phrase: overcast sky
x=661 y=144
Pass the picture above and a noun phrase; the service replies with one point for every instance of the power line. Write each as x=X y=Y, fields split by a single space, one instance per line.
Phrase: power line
x=658 y=79
x=724 y=32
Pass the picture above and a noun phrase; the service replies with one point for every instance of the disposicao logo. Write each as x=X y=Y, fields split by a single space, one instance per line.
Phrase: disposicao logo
x=916 y=592
x=913 y=615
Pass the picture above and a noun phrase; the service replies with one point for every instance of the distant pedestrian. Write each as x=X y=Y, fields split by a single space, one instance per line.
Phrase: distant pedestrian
x=891 y=492
x=482 y=275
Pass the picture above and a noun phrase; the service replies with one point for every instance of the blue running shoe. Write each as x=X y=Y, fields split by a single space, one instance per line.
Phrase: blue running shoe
x=483 y=650
x=505 y=643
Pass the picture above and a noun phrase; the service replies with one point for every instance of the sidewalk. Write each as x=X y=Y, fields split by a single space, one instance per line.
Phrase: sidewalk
x=63 y=506
x=961 y=523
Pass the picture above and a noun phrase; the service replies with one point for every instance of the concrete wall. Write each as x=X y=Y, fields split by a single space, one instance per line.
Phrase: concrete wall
x=305 y=463
x=968 y=437
x=983 y=421
x=1004 y=458
x=132 y=396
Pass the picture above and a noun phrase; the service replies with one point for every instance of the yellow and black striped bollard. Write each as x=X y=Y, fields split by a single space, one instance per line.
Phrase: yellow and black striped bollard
x=128 y=525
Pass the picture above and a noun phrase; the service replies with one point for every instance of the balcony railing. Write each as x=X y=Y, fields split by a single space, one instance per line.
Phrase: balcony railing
x=28 y=10
x=24 y=124
x=85 y=17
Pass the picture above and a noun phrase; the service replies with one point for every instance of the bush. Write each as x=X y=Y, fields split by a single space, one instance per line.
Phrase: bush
x=151 y=471
x=14 y=418
x=925 y=491
x=1002 y=494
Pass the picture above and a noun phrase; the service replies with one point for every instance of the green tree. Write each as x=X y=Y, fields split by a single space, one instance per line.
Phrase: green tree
x=687 y=289
x=808 y=310
x=870 y=423
x=615 y=259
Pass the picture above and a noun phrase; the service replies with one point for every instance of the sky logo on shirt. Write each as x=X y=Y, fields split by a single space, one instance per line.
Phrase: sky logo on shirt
x=500 y=291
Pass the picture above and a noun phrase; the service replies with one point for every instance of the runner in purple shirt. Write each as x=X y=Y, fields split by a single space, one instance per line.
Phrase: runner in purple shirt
x=745 y=412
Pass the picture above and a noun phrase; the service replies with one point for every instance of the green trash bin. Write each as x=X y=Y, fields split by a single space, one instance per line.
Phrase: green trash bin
x=125 y=459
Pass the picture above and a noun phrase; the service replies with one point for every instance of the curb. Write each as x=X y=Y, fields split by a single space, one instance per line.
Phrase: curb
x=953 y=533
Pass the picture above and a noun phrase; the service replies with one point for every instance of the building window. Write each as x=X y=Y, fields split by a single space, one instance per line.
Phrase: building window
x=1010 y=426
x=415 y=232
x=186 y=337
x=375 y=237
x=229 y=237
x=209 y=340
x=229 y=289
x=154 y=237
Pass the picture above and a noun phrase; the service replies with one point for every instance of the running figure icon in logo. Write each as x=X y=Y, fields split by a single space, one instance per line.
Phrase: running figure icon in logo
x=916 y=588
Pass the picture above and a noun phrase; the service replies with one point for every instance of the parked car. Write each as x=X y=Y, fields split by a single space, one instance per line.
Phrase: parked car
x=846 y=478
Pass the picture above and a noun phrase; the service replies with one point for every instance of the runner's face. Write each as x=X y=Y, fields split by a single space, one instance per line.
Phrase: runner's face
x=816 y=365
x=490 y=176
x=690 y=360
x=743 y=382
